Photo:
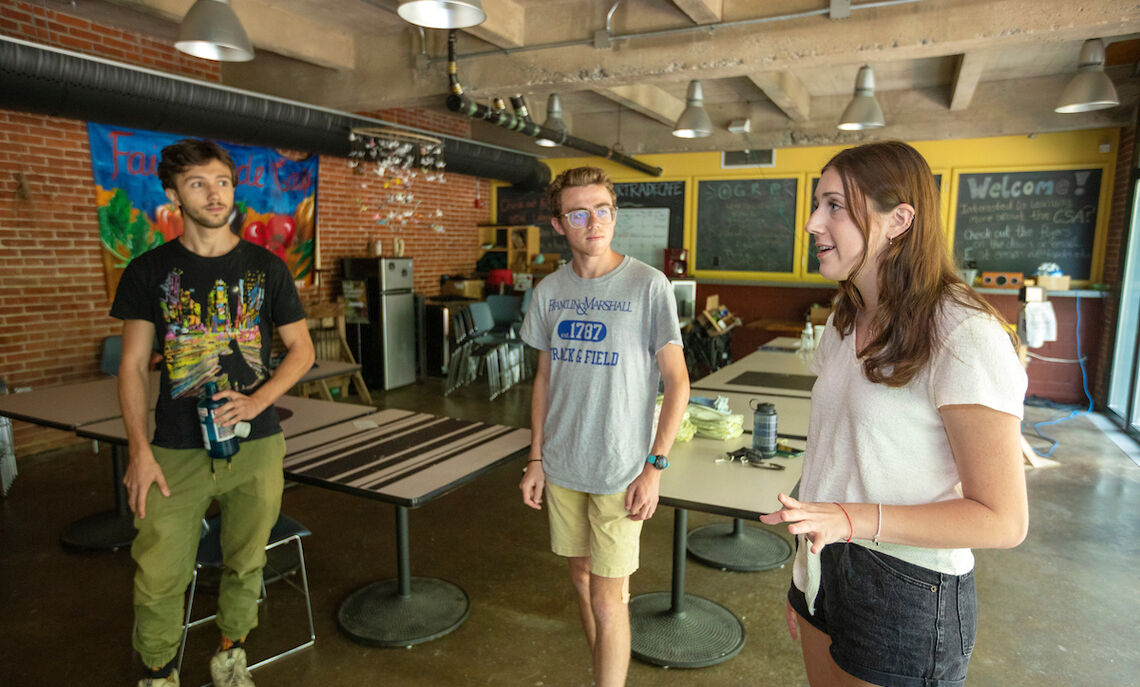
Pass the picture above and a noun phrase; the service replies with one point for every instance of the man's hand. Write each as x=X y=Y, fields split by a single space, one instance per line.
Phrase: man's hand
x=240 y=407
x=143 y=471
x=641 y=496
x=532 y=484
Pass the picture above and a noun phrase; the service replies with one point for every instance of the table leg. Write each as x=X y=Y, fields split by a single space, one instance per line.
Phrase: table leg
x=406 y=610
x=110 y=530
x=738 y=546
x=681 y=630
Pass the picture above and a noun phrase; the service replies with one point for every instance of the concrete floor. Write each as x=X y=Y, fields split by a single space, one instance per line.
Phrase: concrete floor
x=1058 y=610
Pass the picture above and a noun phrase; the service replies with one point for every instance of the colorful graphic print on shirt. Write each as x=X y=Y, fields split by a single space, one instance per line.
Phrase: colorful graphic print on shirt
x=576 y=335
x=214 y=336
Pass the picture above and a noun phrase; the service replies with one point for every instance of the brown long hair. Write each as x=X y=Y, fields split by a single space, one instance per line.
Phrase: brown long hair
x=916 y=272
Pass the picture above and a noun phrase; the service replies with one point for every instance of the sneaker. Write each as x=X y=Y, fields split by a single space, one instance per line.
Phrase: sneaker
x=227 y=669
x=169 y=681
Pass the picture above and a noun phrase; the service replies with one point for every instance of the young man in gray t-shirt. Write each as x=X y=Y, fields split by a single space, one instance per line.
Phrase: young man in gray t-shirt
x=606 y=330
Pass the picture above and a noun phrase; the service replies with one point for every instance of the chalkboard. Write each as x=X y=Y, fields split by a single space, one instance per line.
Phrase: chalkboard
x=530 y=207
x=1014 y=221
x=746 y=225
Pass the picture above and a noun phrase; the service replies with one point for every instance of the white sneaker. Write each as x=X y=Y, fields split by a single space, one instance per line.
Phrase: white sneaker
x=169 y=681
x=227 y=669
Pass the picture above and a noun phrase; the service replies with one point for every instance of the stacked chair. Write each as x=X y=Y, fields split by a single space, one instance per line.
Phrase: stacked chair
x=486 y=338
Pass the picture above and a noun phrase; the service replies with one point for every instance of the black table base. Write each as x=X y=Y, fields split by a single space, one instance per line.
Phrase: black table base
x=739 y=547
x=110 y=530
x=406 y=610
x=378 y=615
x=677 y=630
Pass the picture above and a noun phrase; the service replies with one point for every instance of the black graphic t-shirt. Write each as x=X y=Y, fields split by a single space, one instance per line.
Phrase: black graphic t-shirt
x=213 y=321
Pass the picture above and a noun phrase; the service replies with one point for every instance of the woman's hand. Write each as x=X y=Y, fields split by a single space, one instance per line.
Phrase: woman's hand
x=820 y=523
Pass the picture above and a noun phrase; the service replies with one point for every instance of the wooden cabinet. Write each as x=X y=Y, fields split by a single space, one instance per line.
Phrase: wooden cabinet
x=520 y=243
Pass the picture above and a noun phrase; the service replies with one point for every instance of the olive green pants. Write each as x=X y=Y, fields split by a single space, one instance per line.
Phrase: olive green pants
x=248 y=491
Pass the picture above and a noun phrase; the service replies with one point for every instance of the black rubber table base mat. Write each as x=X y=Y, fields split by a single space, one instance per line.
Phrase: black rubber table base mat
x=773 y=380
x=705 y=634
x=107 y=531
x=280 y=562
x=752 y=550
x=376 y=615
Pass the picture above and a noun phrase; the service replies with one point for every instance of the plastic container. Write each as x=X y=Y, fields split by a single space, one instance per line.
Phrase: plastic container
x=220 y=442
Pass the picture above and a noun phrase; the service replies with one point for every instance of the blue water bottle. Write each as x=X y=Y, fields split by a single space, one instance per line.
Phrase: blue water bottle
x=764 y=428
x=220 y=442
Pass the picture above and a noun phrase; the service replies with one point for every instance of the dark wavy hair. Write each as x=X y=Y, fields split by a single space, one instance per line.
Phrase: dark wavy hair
x=577 y=176
x=187 y=153
x=915 y=275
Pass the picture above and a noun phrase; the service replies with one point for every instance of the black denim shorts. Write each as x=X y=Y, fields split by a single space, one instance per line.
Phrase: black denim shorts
x=893 y=623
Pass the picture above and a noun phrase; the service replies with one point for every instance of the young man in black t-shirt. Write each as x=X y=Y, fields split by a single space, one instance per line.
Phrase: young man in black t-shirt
x=209 y=303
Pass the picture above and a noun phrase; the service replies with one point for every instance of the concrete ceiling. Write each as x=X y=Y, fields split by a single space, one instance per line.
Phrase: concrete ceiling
x=944 y=68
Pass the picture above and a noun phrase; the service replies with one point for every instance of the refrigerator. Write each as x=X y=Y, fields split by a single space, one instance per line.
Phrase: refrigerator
x=382 y=319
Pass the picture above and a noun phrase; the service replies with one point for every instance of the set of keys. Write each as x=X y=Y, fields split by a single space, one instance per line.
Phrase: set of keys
x=750 y=456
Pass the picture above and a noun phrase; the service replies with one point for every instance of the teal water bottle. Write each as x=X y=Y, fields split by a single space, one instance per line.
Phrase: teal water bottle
x=220 y=442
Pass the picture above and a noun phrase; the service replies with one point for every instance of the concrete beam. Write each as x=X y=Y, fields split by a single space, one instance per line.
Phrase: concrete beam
x=270 y=28
x=505 y=25
x=967 y=73
x=933 y=28
x=786 y=91
x=702 y=11
x=651 y=101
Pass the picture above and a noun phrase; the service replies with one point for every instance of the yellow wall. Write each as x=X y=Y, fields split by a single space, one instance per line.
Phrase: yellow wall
x=1075 y=149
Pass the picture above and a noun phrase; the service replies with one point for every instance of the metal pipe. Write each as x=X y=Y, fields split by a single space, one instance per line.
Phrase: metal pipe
x=679 y=30
x=498 y=115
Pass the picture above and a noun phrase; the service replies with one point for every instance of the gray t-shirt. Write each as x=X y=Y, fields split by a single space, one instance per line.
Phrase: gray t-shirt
x=603 y=336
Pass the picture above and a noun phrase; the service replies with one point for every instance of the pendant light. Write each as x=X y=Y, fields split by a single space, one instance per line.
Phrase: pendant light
x=211 y=30
x=553 y=121
x=1090 y=89
x=442 y=14
x=694 y=122
x=863 y=112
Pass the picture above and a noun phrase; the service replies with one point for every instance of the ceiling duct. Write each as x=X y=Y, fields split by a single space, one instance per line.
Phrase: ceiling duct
x=51 y=81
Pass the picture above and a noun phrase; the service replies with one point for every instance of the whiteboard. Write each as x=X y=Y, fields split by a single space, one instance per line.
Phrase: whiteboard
x=643 y=233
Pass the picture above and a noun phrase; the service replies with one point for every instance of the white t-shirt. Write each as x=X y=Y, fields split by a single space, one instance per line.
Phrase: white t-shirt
x=872 y=443
x=603 y=336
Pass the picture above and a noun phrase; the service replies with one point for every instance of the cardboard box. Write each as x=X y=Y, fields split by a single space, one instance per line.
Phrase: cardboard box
x=819 y=314
x=1060 y=283
x=466 y=288
x=715 y=319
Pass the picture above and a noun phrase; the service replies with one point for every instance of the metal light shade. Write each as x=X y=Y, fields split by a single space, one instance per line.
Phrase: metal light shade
x=443 y=14
x=553 y=120
x=694 y=122
x=863 y=112
x=211 y=30
x=1090 y=89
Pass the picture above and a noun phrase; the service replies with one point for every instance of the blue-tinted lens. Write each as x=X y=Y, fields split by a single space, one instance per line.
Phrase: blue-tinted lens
x=578 y=218
x=604 y=214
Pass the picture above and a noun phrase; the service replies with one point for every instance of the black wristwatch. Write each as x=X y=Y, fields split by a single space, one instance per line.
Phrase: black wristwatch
x=659 y=462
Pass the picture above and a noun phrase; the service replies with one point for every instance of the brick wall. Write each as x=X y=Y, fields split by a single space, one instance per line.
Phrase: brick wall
x=53 y=300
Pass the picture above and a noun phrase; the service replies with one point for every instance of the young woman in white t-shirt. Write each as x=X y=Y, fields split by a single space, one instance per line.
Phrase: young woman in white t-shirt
x=913 y=455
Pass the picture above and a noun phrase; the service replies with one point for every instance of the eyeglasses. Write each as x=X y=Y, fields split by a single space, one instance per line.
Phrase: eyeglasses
x=580 y=219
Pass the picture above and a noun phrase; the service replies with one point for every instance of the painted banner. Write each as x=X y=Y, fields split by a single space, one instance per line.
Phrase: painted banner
x=275 y=199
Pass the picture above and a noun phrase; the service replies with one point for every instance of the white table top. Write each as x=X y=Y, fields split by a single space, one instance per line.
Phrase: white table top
x=694 y=480
x=302 y=415
x=400 y=456
x=792 y=412
x=69 y=406
x=786 y=373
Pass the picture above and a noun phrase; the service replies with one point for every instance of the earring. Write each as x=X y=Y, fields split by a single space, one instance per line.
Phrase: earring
x=891 y=241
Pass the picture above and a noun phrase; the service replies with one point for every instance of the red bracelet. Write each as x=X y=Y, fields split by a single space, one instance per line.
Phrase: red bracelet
x=850 y=526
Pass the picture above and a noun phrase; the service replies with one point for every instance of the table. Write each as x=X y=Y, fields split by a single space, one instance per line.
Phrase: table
x=735 y=546
x=683 y=630
x=67 y=408
x=406 y=459
x=84 y=403
x=777 y=373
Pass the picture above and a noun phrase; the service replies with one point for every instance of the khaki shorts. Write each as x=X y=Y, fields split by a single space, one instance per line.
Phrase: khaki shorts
x=596 y=526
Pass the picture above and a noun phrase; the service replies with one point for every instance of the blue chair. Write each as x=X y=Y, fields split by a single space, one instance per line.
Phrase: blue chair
x=285 y=531
x=506 y=311
x=112 y=354
x=480 y=347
